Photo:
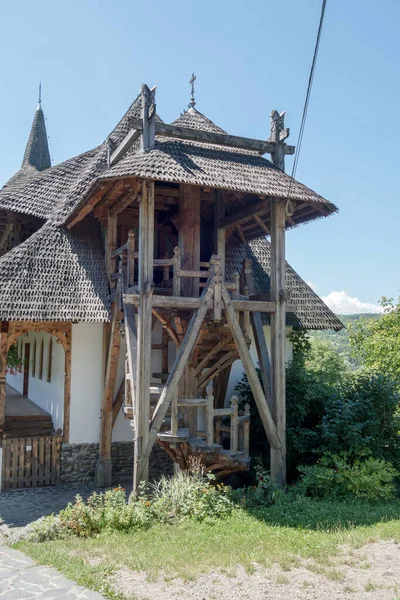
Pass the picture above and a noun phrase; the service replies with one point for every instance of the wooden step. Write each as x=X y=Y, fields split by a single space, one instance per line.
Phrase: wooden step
x=182 y=435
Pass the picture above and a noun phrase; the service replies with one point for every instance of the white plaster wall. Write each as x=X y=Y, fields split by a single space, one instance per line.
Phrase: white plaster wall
x=237 y=367
x=47 y=395
x=87 y=372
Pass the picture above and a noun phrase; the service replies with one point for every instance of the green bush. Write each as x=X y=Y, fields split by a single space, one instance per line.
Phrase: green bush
x=190 y=496
x=265 y=493
x=335 y=477
x=363 y=419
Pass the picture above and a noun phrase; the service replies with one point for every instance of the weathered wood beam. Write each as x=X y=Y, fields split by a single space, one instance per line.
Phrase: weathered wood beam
x=193 y=303
x=255 y=385
x=145 y=281
x=124 y=146
x=219 y=139
x=278 y=338
x=123 y=203
x=88 y=205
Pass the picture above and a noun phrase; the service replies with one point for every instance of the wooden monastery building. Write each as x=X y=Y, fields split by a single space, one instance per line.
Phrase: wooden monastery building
x=138 y=281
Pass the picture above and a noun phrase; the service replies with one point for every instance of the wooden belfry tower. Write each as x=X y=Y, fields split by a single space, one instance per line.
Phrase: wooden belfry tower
x=170 y=202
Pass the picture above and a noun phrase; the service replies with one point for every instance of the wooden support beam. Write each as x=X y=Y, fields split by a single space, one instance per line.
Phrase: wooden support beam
x=220 y=139
x=145 y=284
x=103 y=467
x=117 y=404
x=88 y=204
x=278 y=338
x=3 y=368
x=176 y=373
x=258 y=393
x=67 y=390
x=123 y=203
x=259 y=339
x=189 y=236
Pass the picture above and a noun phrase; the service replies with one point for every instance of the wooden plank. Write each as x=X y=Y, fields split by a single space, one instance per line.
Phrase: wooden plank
x=41 y=476
x=67 y=391
x=47 y=460
x=123 y=203
x=203 y=363
x=35 y=457
x=219 y=139
x=6 y=478
x=148 y=120
x=258 y=393
x=54 y=460
x=58 y=474
x=176 y=373
x=278 y=338
x=24 y=463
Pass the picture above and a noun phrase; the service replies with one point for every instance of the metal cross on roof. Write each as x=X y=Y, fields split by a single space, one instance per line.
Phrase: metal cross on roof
x=192 y=102
x=40 y=92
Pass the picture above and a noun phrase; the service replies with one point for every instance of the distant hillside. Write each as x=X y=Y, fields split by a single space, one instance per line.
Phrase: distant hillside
x=340 y=339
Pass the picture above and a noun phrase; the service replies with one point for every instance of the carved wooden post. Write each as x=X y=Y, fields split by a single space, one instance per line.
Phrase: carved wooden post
x=234 y=425
x=246 y=431
x=219 y=214
x=277 y=136
x=278 y=338
x=148 y=117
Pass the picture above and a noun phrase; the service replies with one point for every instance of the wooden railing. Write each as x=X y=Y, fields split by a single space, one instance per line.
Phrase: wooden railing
x=238 y=430
x=172 y=271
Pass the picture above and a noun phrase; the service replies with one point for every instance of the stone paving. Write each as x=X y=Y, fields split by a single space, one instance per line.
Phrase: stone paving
x=22 y=579
x=20 y=507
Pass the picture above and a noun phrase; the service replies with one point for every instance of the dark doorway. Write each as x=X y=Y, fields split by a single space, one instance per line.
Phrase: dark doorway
x=27 y=355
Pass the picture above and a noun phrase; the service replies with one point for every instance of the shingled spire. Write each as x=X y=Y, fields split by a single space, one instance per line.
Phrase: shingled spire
x=37 y=153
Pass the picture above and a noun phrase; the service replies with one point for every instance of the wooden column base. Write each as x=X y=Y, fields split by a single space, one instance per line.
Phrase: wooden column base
x=103 y=473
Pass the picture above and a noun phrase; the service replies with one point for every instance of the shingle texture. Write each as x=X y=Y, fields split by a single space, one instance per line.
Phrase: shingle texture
x=55 y=275
x=311 y=311
x=37 y=153
x=58 y=274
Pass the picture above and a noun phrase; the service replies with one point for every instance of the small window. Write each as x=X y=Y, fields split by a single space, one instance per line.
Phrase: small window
x=49 y=360
x=34 y=359
x=41 y=359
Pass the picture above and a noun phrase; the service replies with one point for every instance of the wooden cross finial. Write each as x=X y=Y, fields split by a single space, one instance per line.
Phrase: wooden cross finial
x=192 y=102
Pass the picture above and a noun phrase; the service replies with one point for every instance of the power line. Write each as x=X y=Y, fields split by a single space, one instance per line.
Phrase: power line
x=307 y=100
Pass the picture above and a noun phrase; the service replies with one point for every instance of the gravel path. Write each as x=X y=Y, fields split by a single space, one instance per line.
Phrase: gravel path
x=370 y=573
x=22 y=579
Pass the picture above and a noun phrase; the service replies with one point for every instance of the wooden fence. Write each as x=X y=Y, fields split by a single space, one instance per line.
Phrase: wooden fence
x=31 y=462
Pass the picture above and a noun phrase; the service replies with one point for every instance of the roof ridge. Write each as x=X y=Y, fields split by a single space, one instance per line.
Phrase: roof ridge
x=37 y=153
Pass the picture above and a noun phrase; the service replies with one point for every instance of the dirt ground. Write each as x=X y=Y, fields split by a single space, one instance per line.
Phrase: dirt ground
x=371 y=572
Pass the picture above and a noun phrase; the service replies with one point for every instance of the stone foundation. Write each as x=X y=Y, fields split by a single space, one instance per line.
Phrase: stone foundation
x=78 y=462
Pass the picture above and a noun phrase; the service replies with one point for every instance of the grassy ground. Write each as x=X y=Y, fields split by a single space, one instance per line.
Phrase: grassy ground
x=296 y=528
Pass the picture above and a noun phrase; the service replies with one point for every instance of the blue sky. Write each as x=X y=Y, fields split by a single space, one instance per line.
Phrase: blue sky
x=249 y=57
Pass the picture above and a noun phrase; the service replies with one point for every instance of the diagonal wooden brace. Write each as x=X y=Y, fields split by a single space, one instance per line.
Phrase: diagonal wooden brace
x=255 y=385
